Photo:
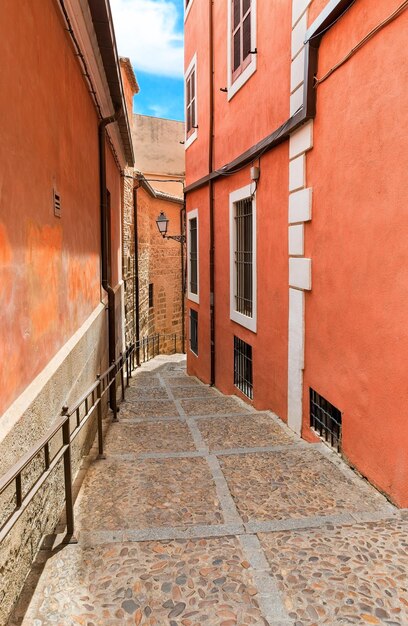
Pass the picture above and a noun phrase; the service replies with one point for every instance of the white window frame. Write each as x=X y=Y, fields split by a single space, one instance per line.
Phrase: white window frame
x=193 y=65
x=187 y=9
x=194 y=297
x=235 y=316
x=235 y=86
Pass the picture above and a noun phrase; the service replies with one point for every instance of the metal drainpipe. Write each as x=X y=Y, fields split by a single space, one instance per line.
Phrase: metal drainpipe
x=105 y=243
x=183 y=274
x=136 y=295
x=211 y=196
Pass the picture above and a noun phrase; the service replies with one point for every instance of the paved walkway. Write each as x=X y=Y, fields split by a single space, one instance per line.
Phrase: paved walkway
x=208 y=513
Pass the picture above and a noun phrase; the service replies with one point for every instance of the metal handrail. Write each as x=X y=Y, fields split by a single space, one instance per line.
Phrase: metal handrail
x=90 y=401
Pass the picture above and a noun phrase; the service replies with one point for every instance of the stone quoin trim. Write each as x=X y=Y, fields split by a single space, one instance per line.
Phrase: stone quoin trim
x=300 y=201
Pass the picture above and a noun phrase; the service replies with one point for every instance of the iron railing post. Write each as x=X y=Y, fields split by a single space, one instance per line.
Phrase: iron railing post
x=114 y=392
x=99 y=413
x=69 y=500
x=122 y=376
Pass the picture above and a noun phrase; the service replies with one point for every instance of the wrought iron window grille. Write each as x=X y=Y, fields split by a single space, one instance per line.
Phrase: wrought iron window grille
x=243 y=367
x=325 y=419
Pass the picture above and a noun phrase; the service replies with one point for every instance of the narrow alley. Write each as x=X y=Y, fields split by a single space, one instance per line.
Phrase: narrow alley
x=206 y=511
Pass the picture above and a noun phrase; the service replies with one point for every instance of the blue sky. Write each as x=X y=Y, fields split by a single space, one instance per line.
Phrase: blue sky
x=150 y=33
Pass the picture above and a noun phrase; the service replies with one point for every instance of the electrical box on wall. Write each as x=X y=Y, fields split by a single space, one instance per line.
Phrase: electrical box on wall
x=255 y=173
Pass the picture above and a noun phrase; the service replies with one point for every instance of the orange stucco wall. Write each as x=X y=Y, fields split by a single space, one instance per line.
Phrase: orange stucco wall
x=234 y=129
x=49 y=266
x=269 y=343
x=356 y=330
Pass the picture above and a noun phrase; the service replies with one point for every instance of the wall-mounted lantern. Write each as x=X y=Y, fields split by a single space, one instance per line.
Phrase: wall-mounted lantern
x=162 y=222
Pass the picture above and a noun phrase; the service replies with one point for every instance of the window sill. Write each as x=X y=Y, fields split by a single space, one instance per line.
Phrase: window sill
x=190 y=140
x=188 y=9
x=193 y=297
x=242 y=79
x=244 y=320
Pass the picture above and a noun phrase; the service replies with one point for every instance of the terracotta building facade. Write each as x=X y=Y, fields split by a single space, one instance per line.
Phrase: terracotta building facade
x=65 y=141
x=296 y=214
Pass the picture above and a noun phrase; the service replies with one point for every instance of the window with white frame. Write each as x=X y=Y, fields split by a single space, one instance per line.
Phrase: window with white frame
x=241 y=43
x=187 y=7
x=190 y=79
x=243 y=276
x=192 y=256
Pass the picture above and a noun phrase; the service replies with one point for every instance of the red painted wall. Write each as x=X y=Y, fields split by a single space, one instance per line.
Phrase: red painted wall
x=356 y=313
x=49 y=267
x=238 y=124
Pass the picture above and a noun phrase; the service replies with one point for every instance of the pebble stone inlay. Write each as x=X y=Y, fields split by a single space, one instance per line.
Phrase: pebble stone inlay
x=343 y=575
x=294 y=483
x=184 y=582
x=167 y=436
x=208 y=513
x=149 y=492
x=242 y=432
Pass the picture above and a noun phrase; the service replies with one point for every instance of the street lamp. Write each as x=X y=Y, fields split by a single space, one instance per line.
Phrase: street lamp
x=162 y=222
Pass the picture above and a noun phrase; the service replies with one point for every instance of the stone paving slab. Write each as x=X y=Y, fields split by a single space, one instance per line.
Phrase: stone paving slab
x=144 y=380
x=135 y=394
x=144 y=437
x=184 y=582
x=343 y=575
x=242 y=432
x=296 y=483
x=194 y=391
x=183 y=381
x=151 y=492
x=212 y=406
x=148 y=408
x=209 y=513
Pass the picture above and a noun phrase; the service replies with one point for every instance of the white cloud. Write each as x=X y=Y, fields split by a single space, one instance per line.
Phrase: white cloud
x=146 y=31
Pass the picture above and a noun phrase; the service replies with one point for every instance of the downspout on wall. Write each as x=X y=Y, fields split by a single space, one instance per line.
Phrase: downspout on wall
x=136 y=277
x=211 y=195
x=106 y=272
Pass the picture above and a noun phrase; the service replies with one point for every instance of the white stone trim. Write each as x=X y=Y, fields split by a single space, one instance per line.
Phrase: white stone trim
x=193 y=64
x=296 y=358
x=239 y=318
x=300 y=206
x=300 y=211
x=297 y=71
x=298 y=9
x=297 y=173
x=194 y=297
x=301 y=140
x=300 y=273
x=296 y=240
x=12 y=415
x=235 y=86
x=298 y=35
x=296 y=100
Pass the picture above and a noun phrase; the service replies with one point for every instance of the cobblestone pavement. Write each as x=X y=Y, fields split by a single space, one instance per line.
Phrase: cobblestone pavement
x=206 y=512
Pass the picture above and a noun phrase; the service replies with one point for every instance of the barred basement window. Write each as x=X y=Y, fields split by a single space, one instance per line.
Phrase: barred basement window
x=243 y=367
x=325 y=419
x=243 y=257
x=194 y=331
x=151 y=304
